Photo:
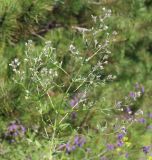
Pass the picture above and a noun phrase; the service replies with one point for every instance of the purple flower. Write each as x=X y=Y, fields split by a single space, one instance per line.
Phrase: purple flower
x=14 y=130
x=146 y=149
x=70 y=146
x=110 y=147
x=62 y=147
x=120 y=136
x=123 y=129
x=120 y=143
x=132 y=95
x=142 y=89
x=126 y=155
x=142 y=120
x=74 y=102
x=12 y=127
x=129 y=111
x=150 y=115
x=79 y=141
x=77 y=98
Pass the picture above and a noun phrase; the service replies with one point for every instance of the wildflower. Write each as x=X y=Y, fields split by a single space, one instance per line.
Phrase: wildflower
x=125 y=139
x=120 y=136
x=110 y=147
x=129 y=111
x=15 y=130
x=120 y=143
x=126 y=155
x=146 y=149
x=142 y=120
x=79 y=141
x=118 y=149
x=15 y=64
x=69 y=148
x=128 y=144
x=74 y=102
x=118 y=104
x=132 y=95
x=73 y=49
x=123 y=129
x=142 y=89
x=149 y=158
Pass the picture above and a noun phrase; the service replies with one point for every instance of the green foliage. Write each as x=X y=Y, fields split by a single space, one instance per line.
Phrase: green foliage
x=130 y=61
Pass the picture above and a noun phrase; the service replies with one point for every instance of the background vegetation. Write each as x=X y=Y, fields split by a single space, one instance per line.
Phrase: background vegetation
x=130 y=60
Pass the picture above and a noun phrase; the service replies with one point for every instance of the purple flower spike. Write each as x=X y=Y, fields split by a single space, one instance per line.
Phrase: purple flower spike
x=120 y=136
x=146 y=149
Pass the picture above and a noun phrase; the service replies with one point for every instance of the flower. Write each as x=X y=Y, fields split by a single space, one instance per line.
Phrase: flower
x=146 y=149
x=129 y=111
x=142 y=89
x=74 y=102
x=125 y=139
x=118 y=149
x=15 y=64
x=142 y=120
x=15 y=130
x=70 y=146
x=132 y=95
x=128 y=144
x=79 y=141
x=120 y=136
x=149 y=158
x=110 y=147
x=126 y=155
x=120 y=143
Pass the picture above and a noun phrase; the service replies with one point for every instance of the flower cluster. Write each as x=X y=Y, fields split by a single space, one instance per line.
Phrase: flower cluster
x=15 y=131
x=15 y=64
x=128 y=102
x=77 y=142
